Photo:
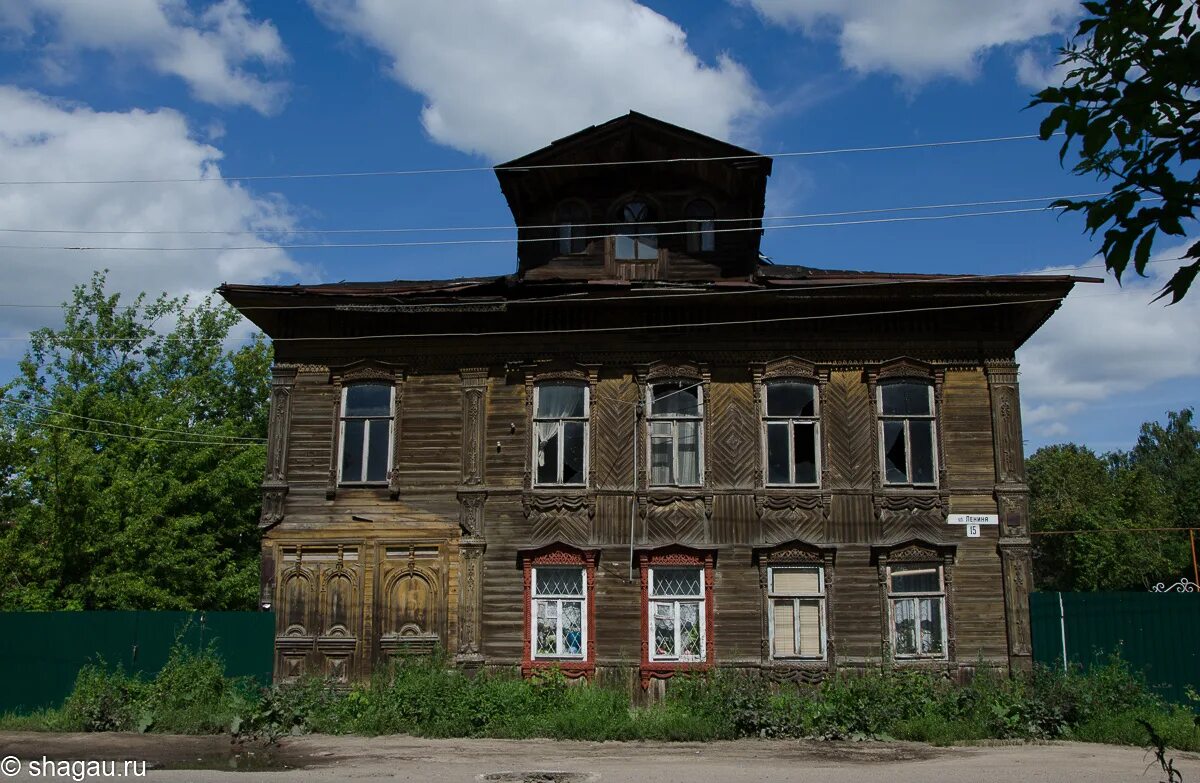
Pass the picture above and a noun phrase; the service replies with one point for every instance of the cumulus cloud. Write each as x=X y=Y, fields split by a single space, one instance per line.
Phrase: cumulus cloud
x=504 y=78
x=920 y=39
x=42 y=139
x=1107 y=341
x=1038 y=70
x=218 y=51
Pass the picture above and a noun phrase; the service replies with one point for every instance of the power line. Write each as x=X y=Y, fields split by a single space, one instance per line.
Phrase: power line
x=130 y=437
x=126 y=424
x=536 y=167
x=1113 y=530
x=513 y=240
x=545 y=226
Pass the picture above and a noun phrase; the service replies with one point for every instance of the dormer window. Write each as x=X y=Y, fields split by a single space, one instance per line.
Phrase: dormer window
x=637 y=239
x=571 y=218
x=701 y=226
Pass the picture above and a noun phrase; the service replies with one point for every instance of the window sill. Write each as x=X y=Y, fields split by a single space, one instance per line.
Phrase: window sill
x=363 y=485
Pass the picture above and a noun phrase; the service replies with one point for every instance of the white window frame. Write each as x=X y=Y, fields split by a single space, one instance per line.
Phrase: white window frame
x=559 y=599
x=791 y=421
x=819 y=597
x=916 y=597
x=674 y=601
x=636 y=236
x=587 y=433
x=391 y=419
x=931 y=417
x=674 y=419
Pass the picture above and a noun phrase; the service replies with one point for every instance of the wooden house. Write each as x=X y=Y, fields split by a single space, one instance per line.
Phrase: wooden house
x=649 y=450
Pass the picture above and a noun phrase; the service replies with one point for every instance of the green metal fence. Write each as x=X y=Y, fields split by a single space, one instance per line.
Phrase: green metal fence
x=41 y=652
x=1157 y=633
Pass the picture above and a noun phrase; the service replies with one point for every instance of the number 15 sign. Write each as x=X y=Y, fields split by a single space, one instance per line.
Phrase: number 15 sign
x=973 y=522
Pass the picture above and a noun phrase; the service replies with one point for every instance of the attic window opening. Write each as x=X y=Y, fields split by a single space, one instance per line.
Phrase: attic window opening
x=572 y=218
x=701 y=217
x=636 y=238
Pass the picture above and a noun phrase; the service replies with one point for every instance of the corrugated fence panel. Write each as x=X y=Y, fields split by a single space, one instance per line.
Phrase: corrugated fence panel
x=1157 y=633
x=42 y=652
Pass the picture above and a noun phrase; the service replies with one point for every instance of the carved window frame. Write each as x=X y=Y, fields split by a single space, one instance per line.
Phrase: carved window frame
x=567 y=373
x=560 y=554
x=391 y=430
x=793 y=554
x=687 y=374
x=912 y=370
x=365 y=372
x=586 y=419
x=790 y=369
x=677 y=556
x=924 y=553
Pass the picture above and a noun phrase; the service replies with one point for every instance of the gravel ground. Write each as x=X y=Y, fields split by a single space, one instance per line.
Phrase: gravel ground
x=322 y=758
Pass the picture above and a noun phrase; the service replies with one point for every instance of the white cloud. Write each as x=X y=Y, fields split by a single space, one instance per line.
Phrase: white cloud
x=212 y=50
x=41 y=139
x=920 y=39
x=1107 y=341
x=1039 y=70
x=504 y=78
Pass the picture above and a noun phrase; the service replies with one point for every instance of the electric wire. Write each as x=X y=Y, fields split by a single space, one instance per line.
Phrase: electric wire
x=193 y=433
x=129 y=437
x=514 y=240
x=536 y=227
x=534 y=167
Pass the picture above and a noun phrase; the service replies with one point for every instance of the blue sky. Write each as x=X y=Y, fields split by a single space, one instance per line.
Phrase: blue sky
x=131 y=89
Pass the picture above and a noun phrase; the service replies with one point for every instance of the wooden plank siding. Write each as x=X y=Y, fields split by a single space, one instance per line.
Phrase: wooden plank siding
x=429 y=469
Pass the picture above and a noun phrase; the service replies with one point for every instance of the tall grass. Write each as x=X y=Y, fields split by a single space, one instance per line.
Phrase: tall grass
x=428 y=697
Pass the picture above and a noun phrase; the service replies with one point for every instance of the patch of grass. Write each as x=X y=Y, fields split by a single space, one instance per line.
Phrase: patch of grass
x=430 y=697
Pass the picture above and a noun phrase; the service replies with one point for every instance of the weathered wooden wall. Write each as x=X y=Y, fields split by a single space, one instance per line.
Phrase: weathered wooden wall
x=439 y=510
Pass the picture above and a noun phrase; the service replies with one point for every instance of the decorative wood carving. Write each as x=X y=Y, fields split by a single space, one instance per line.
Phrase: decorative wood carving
x=470 y=514
x=560 y=554
x=397 y=417
x=474 y=382
x=470 y=647
x=676 y=556
x=1017 y=565
x=275 y=484
x=340 y=377
x=795 y=552
x=904 y=367
x=411 y=578
x=544 y=500
x=917 y=551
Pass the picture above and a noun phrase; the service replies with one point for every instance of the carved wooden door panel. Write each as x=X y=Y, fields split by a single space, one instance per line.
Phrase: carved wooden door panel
x=411 y=597
x=319 y=612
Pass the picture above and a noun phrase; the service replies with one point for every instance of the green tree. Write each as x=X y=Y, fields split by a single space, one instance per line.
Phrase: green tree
x=1130 y=104
x=1156 y=485
x=159 y=510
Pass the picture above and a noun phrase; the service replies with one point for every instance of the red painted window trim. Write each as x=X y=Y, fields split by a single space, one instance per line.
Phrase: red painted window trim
x=676 y=556
x=560 y=555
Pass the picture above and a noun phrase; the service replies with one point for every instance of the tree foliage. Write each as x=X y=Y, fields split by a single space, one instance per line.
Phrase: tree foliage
x=1155 y=485
x=1129 y=104
x=158 y=511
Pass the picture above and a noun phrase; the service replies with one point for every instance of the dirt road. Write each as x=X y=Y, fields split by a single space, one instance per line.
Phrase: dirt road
x=400 y=759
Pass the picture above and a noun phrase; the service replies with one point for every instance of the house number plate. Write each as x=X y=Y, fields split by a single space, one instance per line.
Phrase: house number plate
x=973 y=522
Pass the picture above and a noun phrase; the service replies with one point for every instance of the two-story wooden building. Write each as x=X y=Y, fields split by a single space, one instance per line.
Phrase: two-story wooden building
x=648 y=450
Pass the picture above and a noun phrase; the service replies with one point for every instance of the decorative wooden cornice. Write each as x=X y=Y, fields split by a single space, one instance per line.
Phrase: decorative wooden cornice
x=915 y=550
x=796 y=551
x=905 y=367
x=550 y=500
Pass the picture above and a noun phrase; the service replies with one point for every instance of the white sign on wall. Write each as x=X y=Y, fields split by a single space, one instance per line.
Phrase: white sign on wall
x=973 y=519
